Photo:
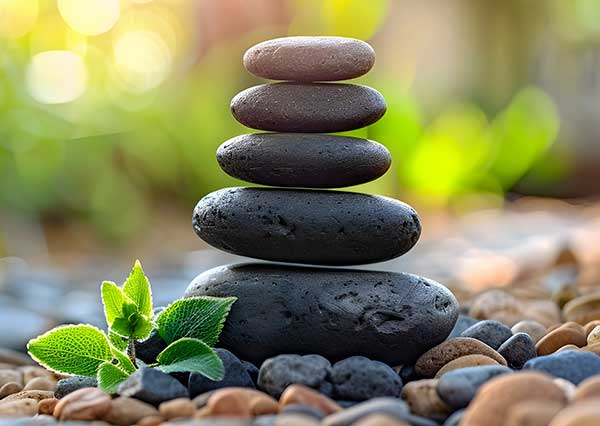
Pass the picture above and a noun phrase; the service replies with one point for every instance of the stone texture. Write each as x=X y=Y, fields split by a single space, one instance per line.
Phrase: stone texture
x=239 y=402
x=358 y=379
x=147 y=350
x=152 y=386
x=303 y=159
x=464 y=362
x=492 y=333
x=389 y=317
x=314 y=58
x=71 y=384
x=569 y=365
x=236 y=375
x=423 y=400
x=393 y=407
x=463 y=322
x=306 y=226
x=566 y=334
x=518 y=350
x=128 y=411
x=534 y=329
x=308 y=107
x=84 y=404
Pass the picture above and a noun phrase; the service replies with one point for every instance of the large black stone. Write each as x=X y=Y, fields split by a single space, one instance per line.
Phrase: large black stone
x=303 y=159
x=336 y=313
x=306 y=226
x=308 y=107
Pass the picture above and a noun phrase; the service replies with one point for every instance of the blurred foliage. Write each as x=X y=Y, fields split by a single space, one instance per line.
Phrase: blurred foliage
x=145 y=131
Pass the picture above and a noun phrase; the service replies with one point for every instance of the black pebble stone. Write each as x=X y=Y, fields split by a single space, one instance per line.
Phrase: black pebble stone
x=337 y=313
x=152 y=386
x=306 y=226
x=492 y=333
x=147 y=350
x=358 y=379
x=463 y=322
x=236 y=375
x=71 y=384
x=517 y=350
x=303 y=159
x=308 y=107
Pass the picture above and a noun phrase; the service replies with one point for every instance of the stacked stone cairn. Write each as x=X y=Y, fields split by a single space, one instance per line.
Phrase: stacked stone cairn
x=288 y=309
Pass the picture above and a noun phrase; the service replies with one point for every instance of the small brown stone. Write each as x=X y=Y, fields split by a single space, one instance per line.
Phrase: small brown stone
x=544 y=311
x=567 y=334
x=10 y=388
x=38 y=395
x=465 y=361
x=22 y=407
x=32 y=372
x=532 y=413
x=589 y=388
x=380 y=420
x=46 y=406
x=594 y=336
x=583 y=309
x=582 y=413
x=180 y=407
x=431 y=361
x=534 y=329
x=125 y=411
x=590 y=326
x=40 y=383
x=83 y=404
x=423 y=399
x=10 y=376
x=568 y=348
x=15 y=358
x=150 y=421
x=493 y=304
x=238 y=402
x=300 y=394
x=495 y=398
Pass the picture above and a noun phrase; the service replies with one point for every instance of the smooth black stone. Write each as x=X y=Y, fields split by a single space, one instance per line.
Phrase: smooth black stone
x=152 y=386
x=358 y=379
x=71 y=384
x=408 y=374
x=279 y=372
x=252 y=370
x=147 y=350
x=303 y=159
x=458 y=387
x=463 y=322
x=236 y=375
x=518 y=350
x=573 y=366
x=492 y=333
x=337 y=313
x=306 y=226
x=308 y=107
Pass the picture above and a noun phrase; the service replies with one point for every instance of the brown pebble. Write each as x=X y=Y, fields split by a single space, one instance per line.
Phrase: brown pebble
x=534 y=329
x=10 y=388
x=498 y=305
x=566 y=334
x=10 y=376
x=150 y=421
x=380 y=420
x=46 y=406
x=423 y=399
x=83 y=404
x=180 y=407
x=544 y=311
x=125 y=411
x=590 y=326
x=593 y=336
x=238 y=402
x=32 y=372
x=496 y=397
x=40 y=383
x=465 y=361
x=431 y=361
x=582 y=413
x=314 y=58
x=23 y=407
x=583 y=309
x=38 y=395
x=303 y=395
x=532 y=413
x=589 y=388
x=15 y=358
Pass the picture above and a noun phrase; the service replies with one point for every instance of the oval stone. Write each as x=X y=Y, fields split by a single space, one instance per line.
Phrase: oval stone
x=310 y=58
x=303 y=159
x=308 y=107
x=336 y=313
x=306 y=226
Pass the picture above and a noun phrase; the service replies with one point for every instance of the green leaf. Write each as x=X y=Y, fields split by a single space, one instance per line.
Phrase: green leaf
x=110 y=377
x=123 y=327
x=113 y=300
x=123 y=361
x=71 y=349
x=195 y=317
x=138 y=289
x=191 y=355
x=142 y=328
x=117 y=340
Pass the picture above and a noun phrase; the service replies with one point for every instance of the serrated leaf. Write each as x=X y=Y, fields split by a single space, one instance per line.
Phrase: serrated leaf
x=123 y=361
x=113 y=300
x=191 y=355
x=110 y=377
x=142 y=328
x=195 y=317
x=117 y=340
x=138 y=289
x=71 y=349
x=123 y=327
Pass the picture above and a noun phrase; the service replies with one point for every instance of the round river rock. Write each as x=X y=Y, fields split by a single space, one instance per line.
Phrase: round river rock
x=308 y=107
x=336 y=313
x=303 y=159
x=310 y=58
x=306 y=226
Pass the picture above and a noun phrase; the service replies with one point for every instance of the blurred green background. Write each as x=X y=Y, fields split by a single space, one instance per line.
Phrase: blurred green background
x=111 y=110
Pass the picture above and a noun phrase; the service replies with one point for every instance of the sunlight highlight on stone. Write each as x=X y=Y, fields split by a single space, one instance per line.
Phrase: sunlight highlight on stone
x=142 y=60
x=56 y=77
x=90 y=17
x=17 y=17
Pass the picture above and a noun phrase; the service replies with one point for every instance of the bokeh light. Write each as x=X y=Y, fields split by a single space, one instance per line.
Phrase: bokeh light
x=56 y=77
x=142 y=60
x=90 y=17
x=17 y=17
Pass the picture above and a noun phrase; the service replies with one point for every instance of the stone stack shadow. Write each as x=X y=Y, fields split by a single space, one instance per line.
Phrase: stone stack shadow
x=336 y=313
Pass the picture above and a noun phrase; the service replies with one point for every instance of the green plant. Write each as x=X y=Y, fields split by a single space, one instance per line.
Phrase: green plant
x=188 y=326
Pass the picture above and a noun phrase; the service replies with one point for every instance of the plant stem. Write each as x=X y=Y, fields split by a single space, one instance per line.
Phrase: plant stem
x=131 y=350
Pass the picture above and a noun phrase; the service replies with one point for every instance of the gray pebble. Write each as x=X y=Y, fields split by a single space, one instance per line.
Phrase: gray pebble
x=71 y=384
x=492 y=333
x=358 y=378
x=517 y=350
